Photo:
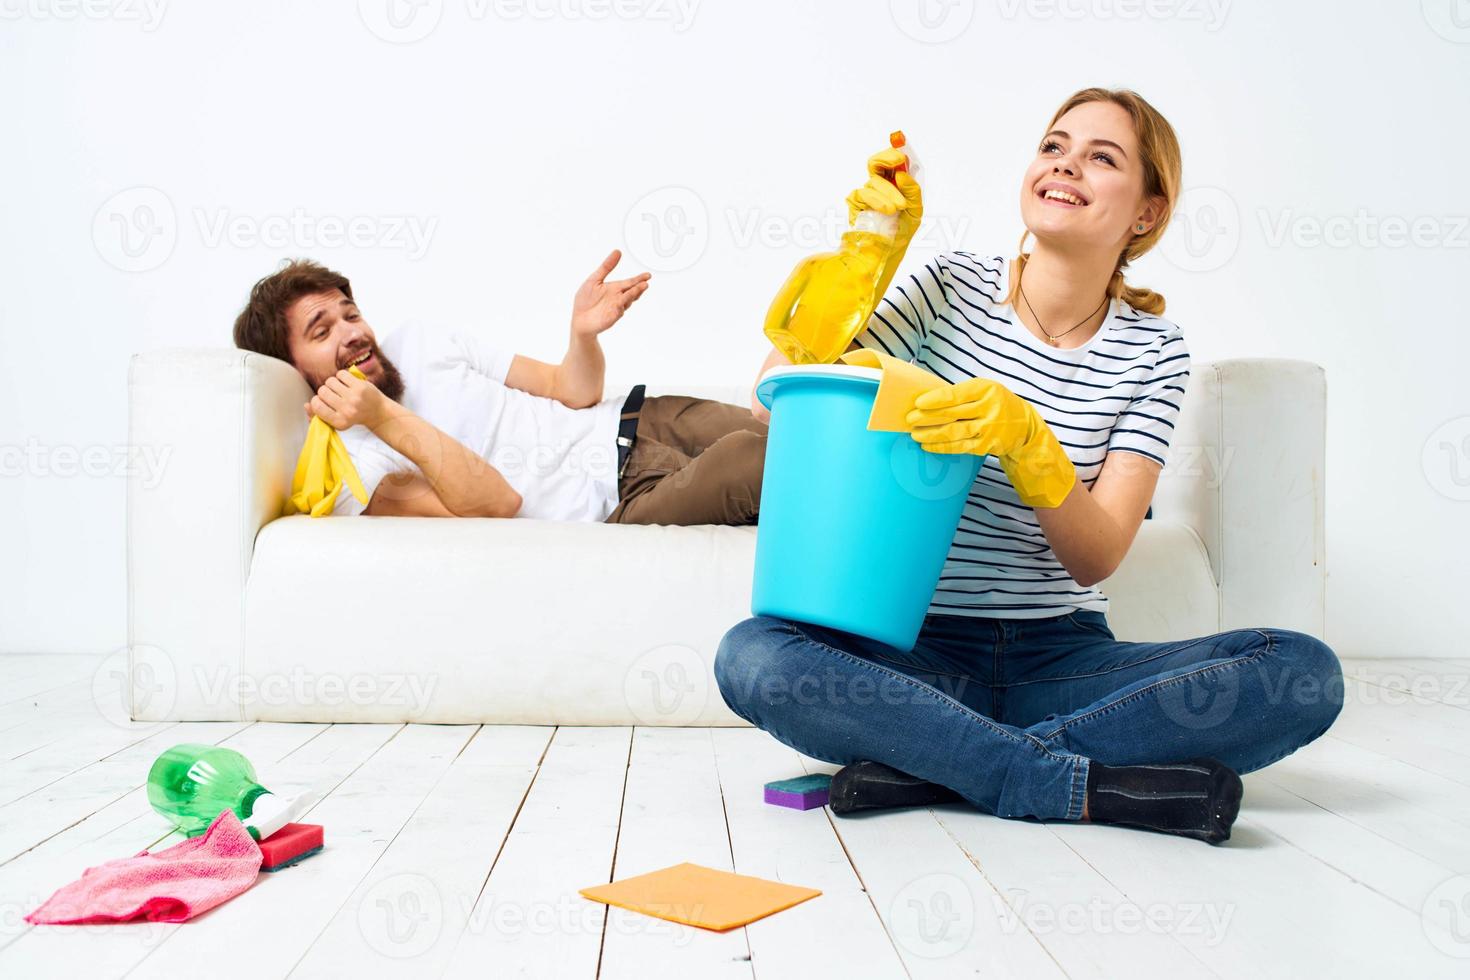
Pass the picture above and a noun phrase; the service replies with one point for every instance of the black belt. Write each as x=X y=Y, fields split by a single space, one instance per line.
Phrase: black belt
x=628 y=426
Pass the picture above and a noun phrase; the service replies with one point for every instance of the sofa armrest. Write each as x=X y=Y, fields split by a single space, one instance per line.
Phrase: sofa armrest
x=1245 y=471
x=225 y=427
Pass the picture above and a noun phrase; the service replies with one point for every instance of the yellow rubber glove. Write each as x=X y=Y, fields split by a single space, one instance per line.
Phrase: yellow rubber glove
x=880 y=194
x=322 y=469
x=983 y=416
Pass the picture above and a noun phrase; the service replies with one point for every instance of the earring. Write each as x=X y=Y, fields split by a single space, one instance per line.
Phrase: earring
x=1140 y=227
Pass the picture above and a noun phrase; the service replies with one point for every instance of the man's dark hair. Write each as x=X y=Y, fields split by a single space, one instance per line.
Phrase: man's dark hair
x=261 y=325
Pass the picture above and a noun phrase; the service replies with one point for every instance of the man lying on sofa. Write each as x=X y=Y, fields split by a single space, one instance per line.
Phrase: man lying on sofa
x=447 y=426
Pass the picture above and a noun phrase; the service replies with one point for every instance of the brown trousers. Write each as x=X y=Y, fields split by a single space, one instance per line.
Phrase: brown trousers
x=694 y=461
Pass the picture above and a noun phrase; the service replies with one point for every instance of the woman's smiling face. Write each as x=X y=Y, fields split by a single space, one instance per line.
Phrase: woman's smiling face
x=1085 y=187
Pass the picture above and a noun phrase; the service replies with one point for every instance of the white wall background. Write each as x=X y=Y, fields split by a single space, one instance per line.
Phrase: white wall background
x=161 y=155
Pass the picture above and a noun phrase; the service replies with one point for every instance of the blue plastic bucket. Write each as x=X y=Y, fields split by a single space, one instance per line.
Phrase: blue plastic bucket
x=854 y=524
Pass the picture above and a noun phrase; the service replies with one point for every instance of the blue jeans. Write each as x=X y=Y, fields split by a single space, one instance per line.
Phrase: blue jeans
x=1010 y=713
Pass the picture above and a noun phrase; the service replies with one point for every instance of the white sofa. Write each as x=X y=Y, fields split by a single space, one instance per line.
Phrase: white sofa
x=234 y=613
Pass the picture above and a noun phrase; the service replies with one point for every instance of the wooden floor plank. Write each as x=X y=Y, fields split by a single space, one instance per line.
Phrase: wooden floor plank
x=1425 y=813
x=59 y=743
x=1423 y=714
x=1343 y=861
x=935 y=903
x=20 y=698
x=1260 y=906
x=1086 y=924
x=1388 y=868
x=529 y=920
x=24 y=675
x=672 y=813
x=61 y=802
x=57 y=719
x=292 y=907
x=799 y=848
x=76 y=691
x=125 y=826
x=408 y=913
x=129 y=825
x=16 y=714
x=1431 y=736
x=1433 y=680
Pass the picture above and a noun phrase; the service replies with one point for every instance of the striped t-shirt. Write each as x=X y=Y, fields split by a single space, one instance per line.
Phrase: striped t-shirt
x=1119 y=392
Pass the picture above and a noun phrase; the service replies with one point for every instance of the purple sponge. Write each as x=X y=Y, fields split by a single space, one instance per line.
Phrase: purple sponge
x=801 y=793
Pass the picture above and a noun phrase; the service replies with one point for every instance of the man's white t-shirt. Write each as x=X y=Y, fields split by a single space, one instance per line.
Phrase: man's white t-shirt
x=562 y=461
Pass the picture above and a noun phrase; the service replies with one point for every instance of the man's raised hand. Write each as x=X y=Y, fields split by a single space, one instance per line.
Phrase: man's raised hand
x=600 y=303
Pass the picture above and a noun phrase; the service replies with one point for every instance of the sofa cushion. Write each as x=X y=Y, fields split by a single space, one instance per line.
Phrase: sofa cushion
x=376 y=619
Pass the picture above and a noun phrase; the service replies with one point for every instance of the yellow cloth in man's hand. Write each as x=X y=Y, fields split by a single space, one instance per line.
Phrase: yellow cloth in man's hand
x=322 y=469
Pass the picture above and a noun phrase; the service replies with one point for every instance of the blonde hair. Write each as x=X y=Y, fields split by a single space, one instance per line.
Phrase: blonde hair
x=1162 y=167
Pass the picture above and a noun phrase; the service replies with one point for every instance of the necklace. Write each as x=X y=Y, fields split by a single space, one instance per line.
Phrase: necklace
x=1053 y=339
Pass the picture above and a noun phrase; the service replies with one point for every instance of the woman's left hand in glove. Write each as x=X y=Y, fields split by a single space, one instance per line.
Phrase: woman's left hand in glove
x=984 y=417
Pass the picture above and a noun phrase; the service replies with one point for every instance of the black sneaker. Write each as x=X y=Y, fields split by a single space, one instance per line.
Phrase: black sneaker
x=873 y=786
x=1197 y=798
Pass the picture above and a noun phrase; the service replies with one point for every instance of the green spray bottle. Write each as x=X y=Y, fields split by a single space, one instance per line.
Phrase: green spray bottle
x=192 y=784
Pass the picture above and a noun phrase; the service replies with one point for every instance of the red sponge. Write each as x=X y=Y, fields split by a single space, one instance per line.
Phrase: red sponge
x=293 y=842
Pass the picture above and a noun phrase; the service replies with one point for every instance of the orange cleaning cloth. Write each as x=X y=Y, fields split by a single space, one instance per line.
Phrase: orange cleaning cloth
x=700 y=896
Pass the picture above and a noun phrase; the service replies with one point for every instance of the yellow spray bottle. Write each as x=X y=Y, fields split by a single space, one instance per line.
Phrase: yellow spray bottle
x=827 y=299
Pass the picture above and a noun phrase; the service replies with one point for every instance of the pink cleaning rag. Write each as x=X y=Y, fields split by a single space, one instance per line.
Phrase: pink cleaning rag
x=175 y=884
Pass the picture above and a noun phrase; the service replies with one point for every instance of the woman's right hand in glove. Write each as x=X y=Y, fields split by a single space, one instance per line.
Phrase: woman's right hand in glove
x=890 y=191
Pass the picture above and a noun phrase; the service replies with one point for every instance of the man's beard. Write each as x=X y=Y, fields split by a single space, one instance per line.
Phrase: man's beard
x=392 y=383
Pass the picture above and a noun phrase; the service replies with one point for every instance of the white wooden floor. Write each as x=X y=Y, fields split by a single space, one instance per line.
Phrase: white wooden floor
x=459 y=850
